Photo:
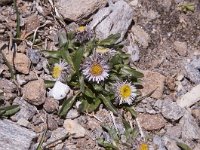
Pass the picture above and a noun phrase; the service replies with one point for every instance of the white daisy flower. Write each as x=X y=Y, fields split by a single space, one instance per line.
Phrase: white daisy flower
x=59 y=69
x=125 y=92
x=59 y=91
x=95 y=69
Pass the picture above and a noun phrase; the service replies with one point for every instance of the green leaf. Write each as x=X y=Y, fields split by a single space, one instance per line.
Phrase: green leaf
x=107 y=145
x=66 y=55
x=97 y=87
x=39 y=147
x=89 y=105
x=68 y=103
x=132 y=111
x=82 y=83
x=77 y=59
x=49 y=83
x=110 y=40
x=108 y=104
x=112 y=132
x=89 y=93
x=53 y=54
x=10 y=110
x=126 y=70
x=183 y=146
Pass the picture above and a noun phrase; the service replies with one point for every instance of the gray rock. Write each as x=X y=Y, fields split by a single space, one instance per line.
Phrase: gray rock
x=51 y=123
x=7 y=86
x=171 y=110
x=57 y=134
x=190 y=98
x=170 y=144
x=76 y=10
x=190 y=128
x=14 y=137
x=27 y=111
x=192 y=70
x=113 y=19
x=174 y=131
x=157 y=140
x=34 y=56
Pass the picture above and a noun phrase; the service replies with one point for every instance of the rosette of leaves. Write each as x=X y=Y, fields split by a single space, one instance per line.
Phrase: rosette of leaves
x=114 y=142
x=91 y=94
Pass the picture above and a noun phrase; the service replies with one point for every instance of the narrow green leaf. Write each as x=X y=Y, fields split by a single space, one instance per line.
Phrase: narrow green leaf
x=97 y=87
x=93 y=106
x=112 y=132
x=53 y=54
x=68 y=103
x=10 y=110
x=107 y=145
x=89 y=93
x=110 y=40
x=39 y=147
x=77 y=59
x=108 y=104
x=183 y=146
x=132 y=111
x=49 y=84
x=82 y=83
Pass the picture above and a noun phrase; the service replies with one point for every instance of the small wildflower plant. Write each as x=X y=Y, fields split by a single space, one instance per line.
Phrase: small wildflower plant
x=97 y=71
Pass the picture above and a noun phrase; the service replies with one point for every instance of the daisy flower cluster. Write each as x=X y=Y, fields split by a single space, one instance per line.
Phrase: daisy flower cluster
x=97 y=71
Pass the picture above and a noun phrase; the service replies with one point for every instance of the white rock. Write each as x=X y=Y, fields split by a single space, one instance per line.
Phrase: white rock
x=134 y=3
x=190 y=97
x=59 y=91
x=73 y=127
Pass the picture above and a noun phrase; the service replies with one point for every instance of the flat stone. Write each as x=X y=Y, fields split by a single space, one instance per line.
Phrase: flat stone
x=174 y=131
x=14 y=137
x=57 y=134
x=22 y=63
x=34 y=92
x=157 y=140
x=27 y=111
x=7 y=86
x=190 y=97
x=171 y=110
x=75 y=10
x=170 y=144
x=180 y=48
x=151 y=122
x=190 y=128
x=153 y=81
x=73 y=127
x=111 y=20
x=192 y=69
x=31 y=23
x=141 y=36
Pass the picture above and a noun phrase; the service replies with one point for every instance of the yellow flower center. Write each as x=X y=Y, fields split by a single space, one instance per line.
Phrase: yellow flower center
x=96 y=69
x=102 y=50
x=125 y=91
x=56 y=71
x=81 y=29
x=143 y=146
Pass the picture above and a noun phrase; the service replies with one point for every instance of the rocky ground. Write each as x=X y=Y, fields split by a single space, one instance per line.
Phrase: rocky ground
x=163 y=38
